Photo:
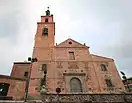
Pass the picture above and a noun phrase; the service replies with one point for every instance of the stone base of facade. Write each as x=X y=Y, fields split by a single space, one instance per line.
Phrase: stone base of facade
x=22 y=101
x=83 y=98
x=76 y=98
x=35 y=97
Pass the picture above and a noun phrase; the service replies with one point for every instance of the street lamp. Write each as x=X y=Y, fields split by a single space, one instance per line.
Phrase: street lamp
x=43 y=88
x=125 y=80
x=32 y=60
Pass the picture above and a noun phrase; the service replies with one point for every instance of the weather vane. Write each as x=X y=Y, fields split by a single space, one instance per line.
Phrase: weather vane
x=47 y=12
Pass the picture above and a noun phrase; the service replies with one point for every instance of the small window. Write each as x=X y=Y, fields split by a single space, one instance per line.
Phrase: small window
x=46 y=20
x=71 y=56
x=103 y=67
x=4 y=87
x=45 y=31
x=108 y=83
x=25 y=74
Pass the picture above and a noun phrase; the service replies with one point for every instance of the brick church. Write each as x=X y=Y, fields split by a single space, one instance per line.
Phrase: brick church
x=69 y=66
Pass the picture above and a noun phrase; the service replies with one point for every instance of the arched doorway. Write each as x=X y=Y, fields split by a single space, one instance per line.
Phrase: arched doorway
x=4 y=89
x=75 y=85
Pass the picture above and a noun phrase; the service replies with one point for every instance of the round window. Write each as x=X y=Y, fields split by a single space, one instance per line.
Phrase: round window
x=70 y=42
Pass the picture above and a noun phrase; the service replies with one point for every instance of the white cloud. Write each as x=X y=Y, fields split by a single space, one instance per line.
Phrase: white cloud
x=105 y=26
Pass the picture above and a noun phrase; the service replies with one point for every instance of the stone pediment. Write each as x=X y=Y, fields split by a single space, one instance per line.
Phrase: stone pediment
x=71 y=43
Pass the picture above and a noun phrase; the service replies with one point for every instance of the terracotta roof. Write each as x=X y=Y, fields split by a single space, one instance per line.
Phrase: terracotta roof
x=22 y=62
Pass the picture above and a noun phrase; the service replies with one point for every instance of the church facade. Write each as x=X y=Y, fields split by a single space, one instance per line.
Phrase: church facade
x=69 y=66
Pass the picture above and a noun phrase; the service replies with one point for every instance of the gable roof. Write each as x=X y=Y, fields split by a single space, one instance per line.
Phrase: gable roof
x=71 y=43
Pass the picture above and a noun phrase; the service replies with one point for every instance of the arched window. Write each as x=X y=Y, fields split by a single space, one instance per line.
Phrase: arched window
x=75 y=85
x=46 y=20
x=103 y=67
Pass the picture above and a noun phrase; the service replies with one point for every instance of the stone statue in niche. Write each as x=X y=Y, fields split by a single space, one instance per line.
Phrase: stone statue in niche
x=59 y=64
x=73 y=65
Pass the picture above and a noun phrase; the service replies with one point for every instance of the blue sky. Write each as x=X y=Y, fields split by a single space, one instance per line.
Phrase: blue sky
x=104 y=25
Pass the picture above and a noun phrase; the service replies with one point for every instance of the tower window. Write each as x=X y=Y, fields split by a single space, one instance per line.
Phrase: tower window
x=25 y=74
x=46 y=20
x=108 y=83
x=45 y=31
x=71 y=56
x=103 y=67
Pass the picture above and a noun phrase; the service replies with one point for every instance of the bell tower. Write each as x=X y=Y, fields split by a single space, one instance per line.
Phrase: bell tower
x=44 y=38
x=43 y=50
x=45 y=31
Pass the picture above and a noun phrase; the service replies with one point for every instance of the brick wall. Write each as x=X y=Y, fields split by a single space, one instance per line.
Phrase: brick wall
x=19 y=68
x=16 y=88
